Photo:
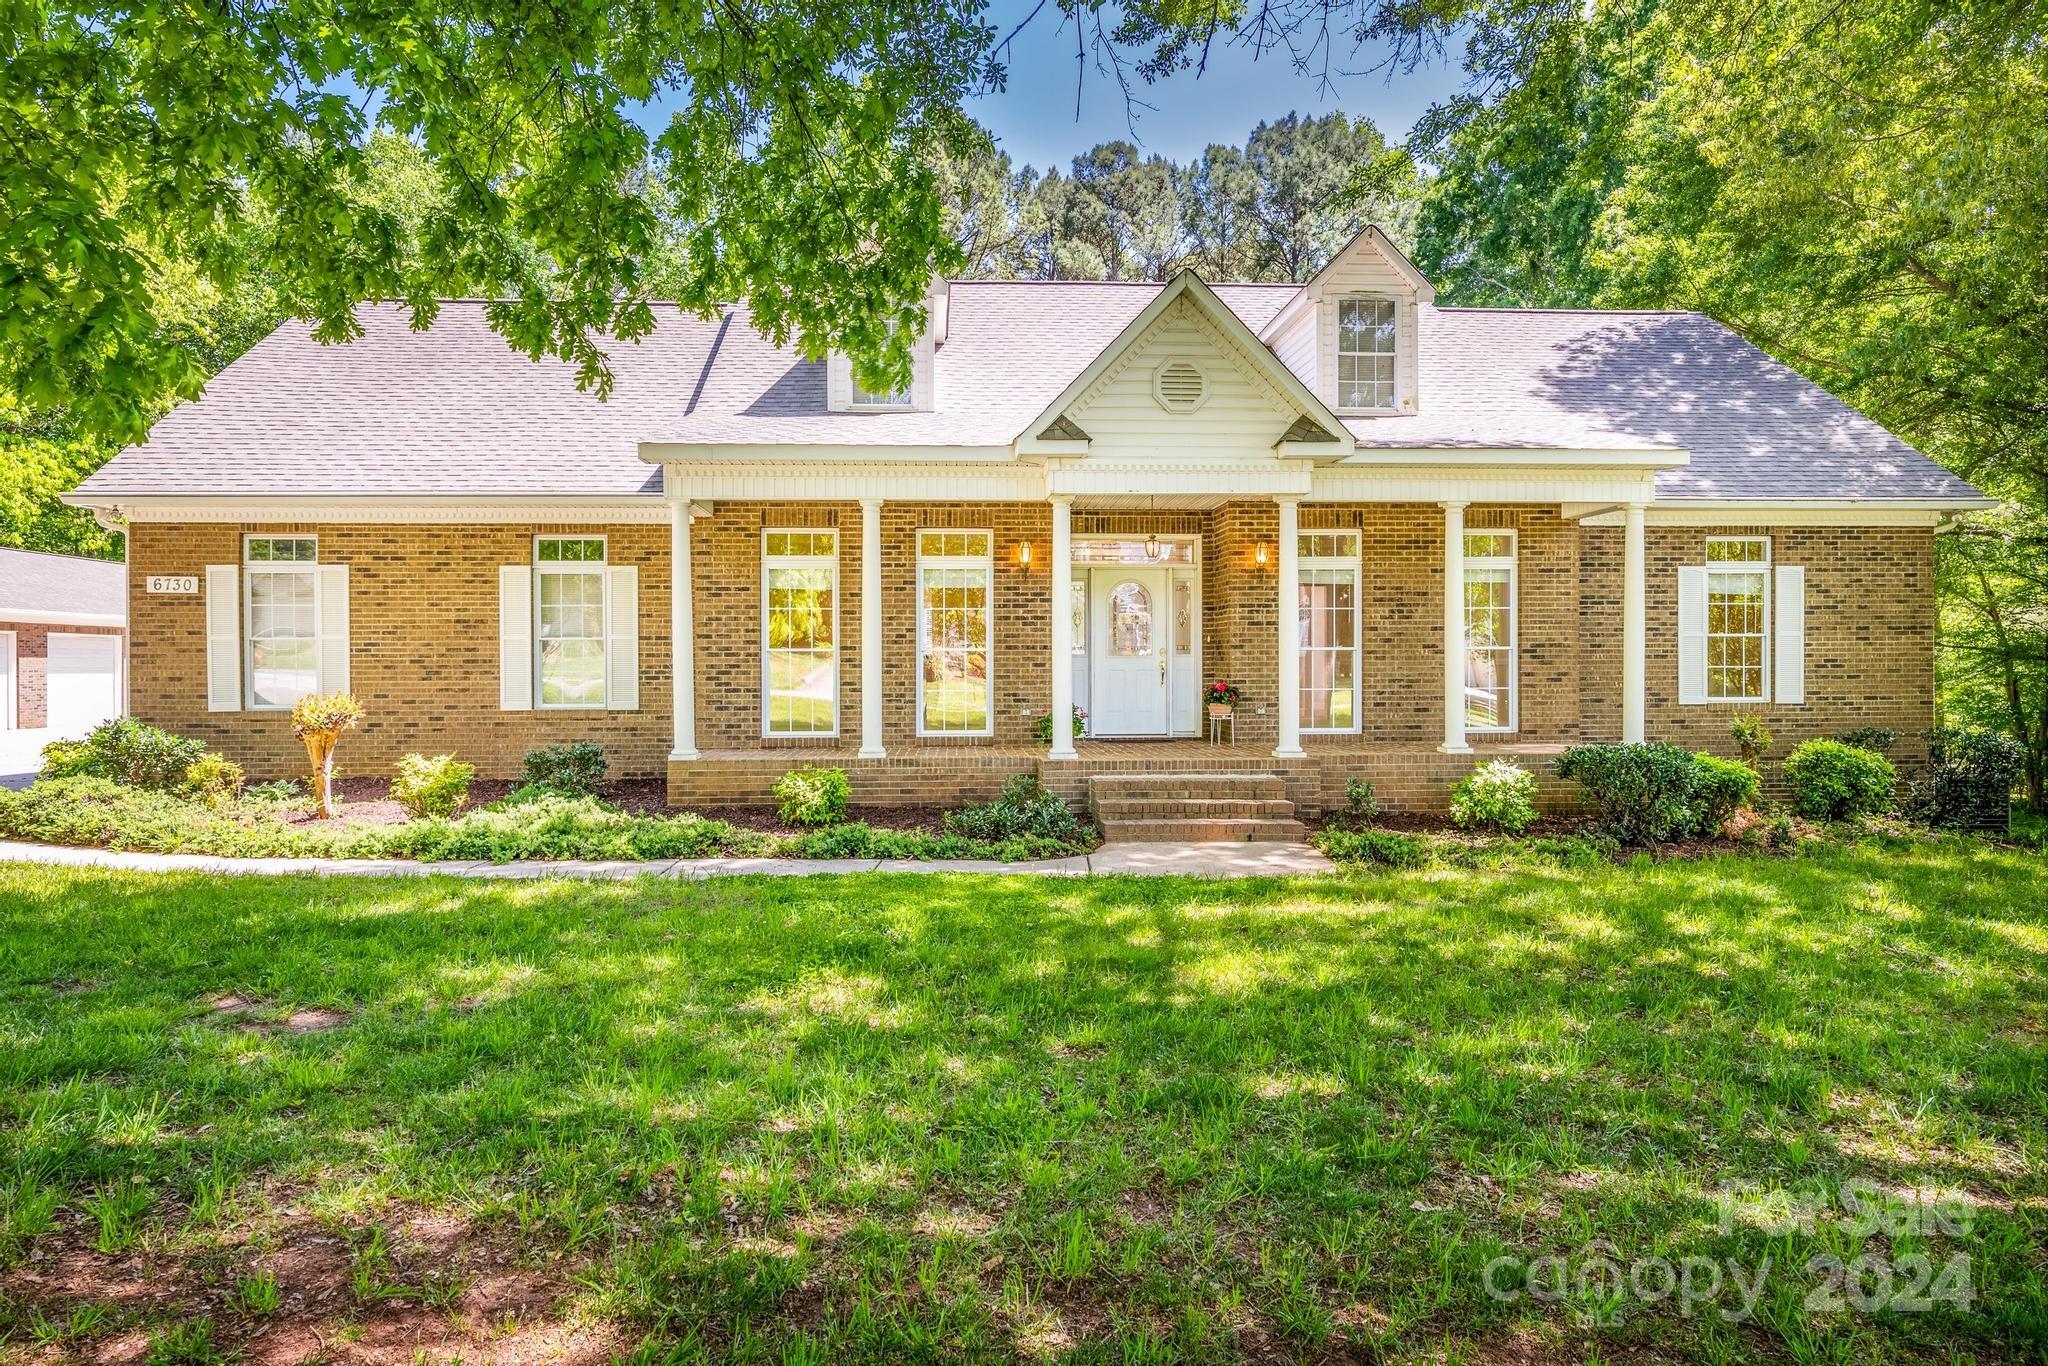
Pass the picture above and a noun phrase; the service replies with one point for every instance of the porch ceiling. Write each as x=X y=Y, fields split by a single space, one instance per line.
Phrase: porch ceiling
x=1153 y=502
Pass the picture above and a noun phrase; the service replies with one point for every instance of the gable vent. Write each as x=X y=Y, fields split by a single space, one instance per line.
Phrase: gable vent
x=1180 y=386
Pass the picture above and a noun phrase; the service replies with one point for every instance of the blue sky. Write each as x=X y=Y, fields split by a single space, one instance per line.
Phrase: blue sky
x=1034 y=117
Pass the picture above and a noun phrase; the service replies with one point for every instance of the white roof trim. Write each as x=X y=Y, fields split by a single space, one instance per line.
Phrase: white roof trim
x=677 y=450
x=1425 y=292
x=570 y=510
x=1646 y=457
x=1188 y=283
x=28 y=617
x=1784 y=511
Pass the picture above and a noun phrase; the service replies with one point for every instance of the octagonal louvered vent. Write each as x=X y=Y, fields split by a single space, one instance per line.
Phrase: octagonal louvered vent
x=1180 y=386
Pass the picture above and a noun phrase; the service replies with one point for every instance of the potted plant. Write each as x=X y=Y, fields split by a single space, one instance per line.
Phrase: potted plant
x=1222 y=696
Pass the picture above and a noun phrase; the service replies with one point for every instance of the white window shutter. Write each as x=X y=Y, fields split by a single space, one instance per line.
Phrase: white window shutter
x=515 y=637
x=838 y=383
x=622 y=639
x=333 y=581
x=1692 y=636
x=1788 y=662
x=223 y=638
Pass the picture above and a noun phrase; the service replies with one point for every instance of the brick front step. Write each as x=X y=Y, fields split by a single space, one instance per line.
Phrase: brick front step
x=1239 y=808
x=1206 y=808
x=1203 y=831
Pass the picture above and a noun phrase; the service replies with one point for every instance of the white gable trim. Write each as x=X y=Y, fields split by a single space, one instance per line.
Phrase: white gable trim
x=1930 y=512
x=1228 y=324
x=1312 y=290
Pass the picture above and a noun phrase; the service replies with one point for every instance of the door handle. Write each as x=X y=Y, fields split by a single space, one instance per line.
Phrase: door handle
x=1162 y=668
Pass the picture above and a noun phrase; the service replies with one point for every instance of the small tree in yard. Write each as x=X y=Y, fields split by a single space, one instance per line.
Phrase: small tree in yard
x=319 y=722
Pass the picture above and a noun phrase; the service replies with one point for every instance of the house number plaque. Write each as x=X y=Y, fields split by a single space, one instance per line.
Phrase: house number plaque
x=173 y=583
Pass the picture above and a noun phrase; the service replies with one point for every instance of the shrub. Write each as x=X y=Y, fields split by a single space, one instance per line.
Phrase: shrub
x=1751 y=736
x=282 y=792
x=1361 y=807
x=1024 y=808
x=1043 y=725
x=1970 y=780
x=555 y=826
x=1721 y=788
x=576 y=769
x=127 y=751
x=319 y=720
x=1388 y=847
x=1644 y=793
x=1876 y=739
x=1497 y=795
x=1835 y=781
x=436 y=785
x=812 y=796
x=212 y=780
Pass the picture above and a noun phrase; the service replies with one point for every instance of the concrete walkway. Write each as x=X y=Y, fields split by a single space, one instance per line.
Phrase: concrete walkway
x=1187 y=860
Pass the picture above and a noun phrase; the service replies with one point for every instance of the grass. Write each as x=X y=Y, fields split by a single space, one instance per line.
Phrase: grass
x=1145 y=1119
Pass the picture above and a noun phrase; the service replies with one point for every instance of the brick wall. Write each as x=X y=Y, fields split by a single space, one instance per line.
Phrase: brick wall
x=32 y=667
x=424 y=657
x=423 y=609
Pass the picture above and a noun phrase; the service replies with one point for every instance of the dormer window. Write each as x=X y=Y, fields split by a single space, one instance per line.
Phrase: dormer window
x=867 y=398
x=1365 y=353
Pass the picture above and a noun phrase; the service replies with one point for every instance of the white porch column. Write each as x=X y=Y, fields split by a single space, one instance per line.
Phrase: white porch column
x=1633 y=572
x=1062 y=627
x=871 y=629
x=682 y=630
x=1454 y=630
x=1287 y=594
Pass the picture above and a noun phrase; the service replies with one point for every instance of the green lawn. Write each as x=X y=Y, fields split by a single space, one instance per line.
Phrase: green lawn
x=943 y=1117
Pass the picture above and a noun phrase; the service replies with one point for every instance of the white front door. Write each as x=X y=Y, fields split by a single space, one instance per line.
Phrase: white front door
x=84 y=682
x=1130 y=636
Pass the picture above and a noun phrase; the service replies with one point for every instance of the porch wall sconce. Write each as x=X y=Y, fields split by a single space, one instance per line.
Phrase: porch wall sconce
x=1259 y=554
x=1024 y=553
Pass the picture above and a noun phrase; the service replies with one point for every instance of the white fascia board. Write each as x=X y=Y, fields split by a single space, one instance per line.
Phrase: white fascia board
x=1497 y=484
x=1301 y=301
x=772 y=454
x=1911 y=512
x=35 y=618
x=1647 y=457
x=1010 y=482
x=452 y=509
x=1213 y=479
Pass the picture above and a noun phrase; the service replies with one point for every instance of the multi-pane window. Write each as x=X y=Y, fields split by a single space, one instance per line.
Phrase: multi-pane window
x=283 y=619
x=800 y=632
x=954 y=582
x=1738 y=605
x=569 y=620
x=1328 y=571
x=1490 y=701
x=1365 y=353
x=864 y=397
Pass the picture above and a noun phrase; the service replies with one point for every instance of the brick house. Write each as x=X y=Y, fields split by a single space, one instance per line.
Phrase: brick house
x=62 y=623
x=1093 y=496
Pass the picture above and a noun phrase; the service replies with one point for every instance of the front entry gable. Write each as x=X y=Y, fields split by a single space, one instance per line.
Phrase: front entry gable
x=1187 y=379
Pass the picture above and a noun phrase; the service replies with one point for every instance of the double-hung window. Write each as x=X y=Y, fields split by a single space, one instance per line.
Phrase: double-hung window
x=1490 y=665
x=1738 y=612
x=569 y=614
x=1365 y=353
x=954 y=640
x=864 y=397
x=800 y=632
x=1328 y=570
x=282 y=622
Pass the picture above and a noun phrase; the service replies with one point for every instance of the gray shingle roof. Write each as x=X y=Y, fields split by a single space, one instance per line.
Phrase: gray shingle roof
x=454 y=411
x=31 y=581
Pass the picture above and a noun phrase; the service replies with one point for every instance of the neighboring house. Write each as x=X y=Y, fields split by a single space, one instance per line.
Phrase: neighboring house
x=62 y=620
x=1093 y=495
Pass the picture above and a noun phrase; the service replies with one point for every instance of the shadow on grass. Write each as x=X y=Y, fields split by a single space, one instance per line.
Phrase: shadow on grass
x=1202 y=1114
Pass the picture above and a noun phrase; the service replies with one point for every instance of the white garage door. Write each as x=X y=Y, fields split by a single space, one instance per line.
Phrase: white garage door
x=84 y=682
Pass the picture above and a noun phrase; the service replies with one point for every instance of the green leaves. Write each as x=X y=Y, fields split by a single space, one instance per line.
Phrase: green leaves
x=144 y=140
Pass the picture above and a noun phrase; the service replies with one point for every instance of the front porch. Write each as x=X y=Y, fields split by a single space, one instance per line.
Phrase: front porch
x=1410 y=778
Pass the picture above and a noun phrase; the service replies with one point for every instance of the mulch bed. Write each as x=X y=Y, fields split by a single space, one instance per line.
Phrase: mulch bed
x=362 y=801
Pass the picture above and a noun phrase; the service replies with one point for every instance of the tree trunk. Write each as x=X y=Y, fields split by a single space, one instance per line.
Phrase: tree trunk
x=320 y=749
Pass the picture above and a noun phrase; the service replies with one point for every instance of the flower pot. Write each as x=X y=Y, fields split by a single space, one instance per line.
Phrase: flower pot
x=1219 y=709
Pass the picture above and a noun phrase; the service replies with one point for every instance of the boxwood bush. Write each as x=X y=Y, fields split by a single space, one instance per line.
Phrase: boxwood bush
x=431 y=785
x=127 y=751
x=1835 y=781
x=1498 y=795
x=812 y=796
x=576 y=769
x=1652 y=793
